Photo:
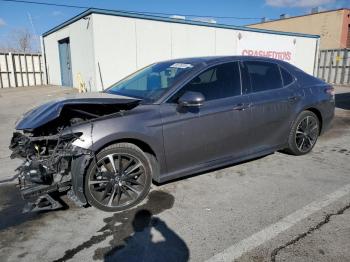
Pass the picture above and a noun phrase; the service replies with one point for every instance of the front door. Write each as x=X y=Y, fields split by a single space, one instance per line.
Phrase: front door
x=65 y=62
x=196 y=137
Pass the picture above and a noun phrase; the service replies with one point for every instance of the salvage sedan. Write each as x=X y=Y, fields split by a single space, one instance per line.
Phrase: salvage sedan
x=168 y=120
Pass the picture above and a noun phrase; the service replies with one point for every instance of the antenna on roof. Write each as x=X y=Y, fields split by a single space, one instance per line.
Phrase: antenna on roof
x=315 y=10
x=205 y=20
x=178 y=17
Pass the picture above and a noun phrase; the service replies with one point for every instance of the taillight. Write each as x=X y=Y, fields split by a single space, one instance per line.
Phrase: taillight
x=330 y=90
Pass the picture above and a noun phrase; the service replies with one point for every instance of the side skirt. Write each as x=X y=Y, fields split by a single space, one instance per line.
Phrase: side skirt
x=207 y=166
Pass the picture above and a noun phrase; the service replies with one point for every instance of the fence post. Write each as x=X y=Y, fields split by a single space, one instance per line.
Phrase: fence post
x=12 y=67
x=43 y=66
x=345 y=61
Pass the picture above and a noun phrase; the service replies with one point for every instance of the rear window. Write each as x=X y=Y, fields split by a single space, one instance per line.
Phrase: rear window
x=286 y=76
x=263 y=75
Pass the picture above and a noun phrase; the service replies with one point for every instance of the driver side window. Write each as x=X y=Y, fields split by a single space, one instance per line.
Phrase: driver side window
x=217 y=82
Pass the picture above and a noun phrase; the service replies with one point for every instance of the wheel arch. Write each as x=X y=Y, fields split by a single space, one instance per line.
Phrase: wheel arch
x=81 y=163
x=155 y=157
x=144 y=146
x=318 y=114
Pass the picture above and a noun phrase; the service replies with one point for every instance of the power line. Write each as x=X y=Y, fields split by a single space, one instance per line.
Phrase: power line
x=133 y=12
x=43 y=3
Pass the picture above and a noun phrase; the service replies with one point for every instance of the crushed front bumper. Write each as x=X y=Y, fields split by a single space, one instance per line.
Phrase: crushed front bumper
x=43 y=177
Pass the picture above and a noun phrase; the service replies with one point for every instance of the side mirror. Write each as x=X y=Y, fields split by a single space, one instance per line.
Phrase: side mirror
x=191 y=99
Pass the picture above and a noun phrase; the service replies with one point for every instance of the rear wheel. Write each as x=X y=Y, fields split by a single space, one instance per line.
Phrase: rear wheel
x=120 y=178
x=304 y=133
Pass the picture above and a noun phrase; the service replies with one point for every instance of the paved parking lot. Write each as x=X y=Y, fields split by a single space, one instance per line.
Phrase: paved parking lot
x=278 y=207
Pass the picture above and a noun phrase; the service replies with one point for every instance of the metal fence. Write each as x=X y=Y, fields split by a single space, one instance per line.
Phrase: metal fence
x=21 y=69
x=334 y=66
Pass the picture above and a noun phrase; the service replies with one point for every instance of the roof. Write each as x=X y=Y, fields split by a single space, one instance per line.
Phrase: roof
x=298 y=16
x=169 y=20
x=218 y=59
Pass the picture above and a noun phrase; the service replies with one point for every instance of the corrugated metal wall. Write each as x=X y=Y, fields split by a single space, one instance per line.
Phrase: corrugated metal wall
x=334 y=66
x=21 y=69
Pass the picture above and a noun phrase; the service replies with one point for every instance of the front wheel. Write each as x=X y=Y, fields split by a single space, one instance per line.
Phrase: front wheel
x=119 y=178
x=304 y=133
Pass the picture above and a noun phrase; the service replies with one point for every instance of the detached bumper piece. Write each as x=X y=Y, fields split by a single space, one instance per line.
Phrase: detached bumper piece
x=43 y=203
x=38 y=196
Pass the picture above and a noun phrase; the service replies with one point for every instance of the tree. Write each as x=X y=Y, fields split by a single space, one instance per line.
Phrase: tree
x=20 y=40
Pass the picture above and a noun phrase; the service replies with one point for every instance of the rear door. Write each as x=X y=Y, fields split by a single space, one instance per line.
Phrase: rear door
x=272 y=102
x=217 y=129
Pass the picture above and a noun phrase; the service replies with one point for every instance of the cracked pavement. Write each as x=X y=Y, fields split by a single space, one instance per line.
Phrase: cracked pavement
x=327 y=241
x=193 y=218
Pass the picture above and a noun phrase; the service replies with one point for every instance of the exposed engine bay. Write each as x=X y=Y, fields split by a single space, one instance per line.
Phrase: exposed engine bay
x=44 y=140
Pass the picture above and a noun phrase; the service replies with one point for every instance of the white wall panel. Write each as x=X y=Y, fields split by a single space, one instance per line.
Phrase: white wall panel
x=82 y=52
x=192 y=41
x=153 y=42
x=305 y=54
x=121 y=45
x=226 y=42
x=115 y=48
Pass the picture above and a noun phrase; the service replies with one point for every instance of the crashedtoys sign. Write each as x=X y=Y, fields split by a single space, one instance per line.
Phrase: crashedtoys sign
x=284 y=55
x=268 y=45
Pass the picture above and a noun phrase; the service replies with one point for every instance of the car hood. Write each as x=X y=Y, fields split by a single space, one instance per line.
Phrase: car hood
x=49 y=111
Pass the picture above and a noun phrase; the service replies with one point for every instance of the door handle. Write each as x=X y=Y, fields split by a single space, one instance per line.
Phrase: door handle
x=293 y=98
x=241 y=107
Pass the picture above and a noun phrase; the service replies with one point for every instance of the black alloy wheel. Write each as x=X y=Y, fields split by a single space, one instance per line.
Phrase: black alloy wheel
x=119 y=178
x=304 y=133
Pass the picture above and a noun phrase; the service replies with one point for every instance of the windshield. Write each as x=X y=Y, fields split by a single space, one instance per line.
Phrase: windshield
x=151 y=82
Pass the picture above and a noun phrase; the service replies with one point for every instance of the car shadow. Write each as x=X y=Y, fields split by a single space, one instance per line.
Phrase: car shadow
x=342 y=101
x=141 y=247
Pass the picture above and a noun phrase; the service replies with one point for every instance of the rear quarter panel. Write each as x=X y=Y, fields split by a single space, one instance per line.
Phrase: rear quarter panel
x=315 y=97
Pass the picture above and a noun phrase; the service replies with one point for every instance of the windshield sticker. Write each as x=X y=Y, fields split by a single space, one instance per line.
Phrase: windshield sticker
x=180 y=65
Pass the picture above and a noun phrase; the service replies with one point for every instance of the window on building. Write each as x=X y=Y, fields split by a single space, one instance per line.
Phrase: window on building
x=263 y=75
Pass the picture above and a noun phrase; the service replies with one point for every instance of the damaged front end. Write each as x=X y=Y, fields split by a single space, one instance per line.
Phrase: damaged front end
x=46 y=167
x=45 y=138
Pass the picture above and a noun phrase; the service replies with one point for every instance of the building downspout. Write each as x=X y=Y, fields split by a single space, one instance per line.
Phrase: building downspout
x=43 y=53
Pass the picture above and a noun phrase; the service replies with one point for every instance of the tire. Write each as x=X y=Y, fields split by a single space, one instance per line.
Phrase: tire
x=108 y=189
x=304 y=133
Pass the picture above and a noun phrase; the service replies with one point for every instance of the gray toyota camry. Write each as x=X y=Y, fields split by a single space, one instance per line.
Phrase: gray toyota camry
x=165 y=121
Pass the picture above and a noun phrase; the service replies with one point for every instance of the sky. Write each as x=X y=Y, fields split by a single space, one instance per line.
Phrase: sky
x=39 y=18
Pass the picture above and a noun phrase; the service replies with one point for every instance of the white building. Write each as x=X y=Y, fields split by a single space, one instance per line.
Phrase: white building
x=101 y=46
